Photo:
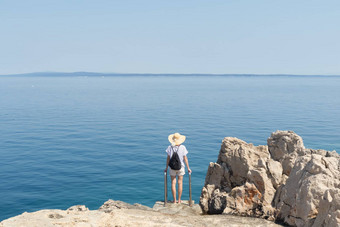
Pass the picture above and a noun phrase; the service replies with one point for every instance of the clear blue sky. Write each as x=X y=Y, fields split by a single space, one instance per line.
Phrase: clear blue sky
x=173 y=36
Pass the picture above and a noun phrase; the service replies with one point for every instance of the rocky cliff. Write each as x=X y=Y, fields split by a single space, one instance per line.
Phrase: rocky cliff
x=282 y=181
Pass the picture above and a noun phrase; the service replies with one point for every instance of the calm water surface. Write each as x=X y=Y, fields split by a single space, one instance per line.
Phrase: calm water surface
x=84 y=140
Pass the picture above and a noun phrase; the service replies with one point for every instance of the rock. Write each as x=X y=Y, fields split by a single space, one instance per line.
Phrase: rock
x=275 y=170
x=77 y=208
x=217 y=202
x=283 y=181
x=238 y=156
x=281 y=143
x=305 y=189
x=285 y=147
x=243 y=180
x=123 y=216
x=329 y=209
x=182 y=209
x=244 y=200
x=110 y=205
x=55 y=216
x=62 y=218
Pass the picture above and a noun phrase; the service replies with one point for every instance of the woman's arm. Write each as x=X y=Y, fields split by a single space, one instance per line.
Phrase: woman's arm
x=167 y=163
x=187 y=163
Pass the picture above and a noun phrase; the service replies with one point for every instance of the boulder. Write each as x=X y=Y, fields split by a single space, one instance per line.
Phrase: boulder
x=243 y=180
x=285 y=147
x=282 y=181
x=300 y=198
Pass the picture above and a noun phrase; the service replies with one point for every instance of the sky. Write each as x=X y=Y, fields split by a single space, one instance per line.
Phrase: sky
x=173 y=36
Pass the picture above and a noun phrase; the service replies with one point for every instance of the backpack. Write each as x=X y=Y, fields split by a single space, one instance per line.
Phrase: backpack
x=175 y=162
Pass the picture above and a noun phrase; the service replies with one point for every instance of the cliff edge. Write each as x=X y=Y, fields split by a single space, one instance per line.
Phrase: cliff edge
x=118 y=214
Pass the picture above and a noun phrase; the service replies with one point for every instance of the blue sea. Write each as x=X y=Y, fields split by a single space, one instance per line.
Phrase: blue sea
x=69 y=140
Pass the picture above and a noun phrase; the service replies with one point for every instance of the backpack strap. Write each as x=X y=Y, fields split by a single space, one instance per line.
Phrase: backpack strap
x=173 y=151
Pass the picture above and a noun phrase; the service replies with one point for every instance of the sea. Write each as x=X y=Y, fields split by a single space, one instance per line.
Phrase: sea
x=68 y=140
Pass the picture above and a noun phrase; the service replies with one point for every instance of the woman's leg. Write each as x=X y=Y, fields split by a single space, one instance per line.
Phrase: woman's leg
x=173 y=187
x=180 y=188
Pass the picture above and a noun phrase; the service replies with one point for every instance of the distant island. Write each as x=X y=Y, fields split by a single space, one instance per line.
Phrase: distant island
x=95 y=74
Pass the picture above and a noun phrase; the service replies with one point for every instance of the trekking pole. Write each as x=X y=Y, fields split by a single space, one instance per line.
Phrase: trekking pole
x=165 y=189
x=190 y=199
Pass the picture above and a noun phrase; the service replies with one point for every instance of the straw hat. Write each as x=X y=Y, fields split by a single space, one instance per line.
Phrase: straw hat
x=176 y=139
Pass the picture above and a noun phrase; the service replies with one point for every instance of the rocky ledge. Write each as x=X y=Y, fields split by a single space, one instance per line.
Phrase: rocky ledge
x=282 y=181
x=117 y=213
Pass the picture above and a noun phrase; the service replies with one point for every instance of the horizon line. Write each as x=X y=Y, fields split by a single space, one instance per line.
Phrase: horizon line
x=50 y=73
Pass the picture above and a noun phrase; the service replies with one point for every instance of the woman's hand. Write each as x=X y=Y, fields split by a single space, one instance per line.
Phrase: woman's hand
x=189 y=170
x=166 y=170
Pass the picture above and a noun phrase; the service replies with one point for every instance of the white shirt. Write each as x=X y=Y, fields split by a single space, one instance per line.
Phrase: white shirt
x=182 y=151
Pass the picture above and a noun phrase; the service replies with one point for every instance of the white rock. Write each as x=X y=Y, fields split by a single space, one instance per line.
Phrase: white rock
x=305 y=188
x=329 y=209
x=174 y=215
x=285 y=147
x=241 y=181
x=283 y=181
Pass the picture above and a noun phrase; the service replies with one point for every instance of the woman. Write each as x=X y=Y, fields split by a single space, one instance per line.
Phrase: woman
x=176 y=141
